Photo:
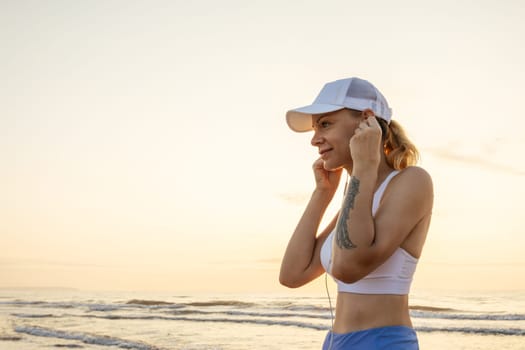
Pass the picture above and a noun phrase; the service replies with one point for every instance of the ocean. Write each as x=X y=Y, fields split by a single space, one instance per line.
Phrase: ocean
x=72 y=319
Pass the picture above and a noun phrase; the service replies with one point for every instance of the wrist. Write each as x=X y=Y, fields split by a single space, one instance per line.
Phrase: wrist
x=365 y=173
x=322 y=195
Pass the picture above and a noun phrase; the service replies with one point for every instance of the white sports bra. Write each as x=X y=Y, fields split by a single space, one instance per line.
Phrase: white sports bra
x=394 y=276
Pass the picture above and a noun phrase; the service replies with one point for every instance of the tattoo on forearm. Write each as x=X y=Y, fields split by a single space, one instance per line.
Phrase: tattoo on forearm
x=341 y=228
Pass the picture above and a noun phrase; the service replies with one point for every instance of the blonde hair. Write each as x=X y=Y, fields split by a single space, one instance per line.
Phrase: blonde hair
x=400 y=152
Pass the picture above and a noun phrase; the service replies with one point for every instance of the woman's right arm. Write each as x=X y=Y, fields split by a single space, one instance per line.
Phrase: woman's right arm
x=301 y=262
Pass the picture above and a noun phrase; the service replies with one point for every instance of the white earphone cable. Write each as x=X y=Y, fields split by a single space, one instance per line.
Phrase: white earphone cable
x=326 y=285
x=331 y=311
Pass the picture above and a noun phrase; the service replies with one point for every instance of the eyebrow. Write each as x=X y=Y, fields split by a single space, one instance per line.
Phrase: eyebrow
x=319 y=120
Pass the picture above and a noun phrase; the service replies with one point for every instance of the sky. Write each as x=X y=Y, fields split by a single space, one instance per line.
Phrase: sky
x=143 y=144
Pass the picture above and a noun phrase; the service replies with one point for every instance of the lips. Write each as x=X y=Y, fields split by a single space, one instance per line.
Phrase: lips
x=323 y=152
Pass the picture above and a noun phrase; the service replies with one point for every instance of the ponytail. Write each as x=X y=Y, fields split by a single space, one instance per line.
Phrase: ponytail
x=399 y=150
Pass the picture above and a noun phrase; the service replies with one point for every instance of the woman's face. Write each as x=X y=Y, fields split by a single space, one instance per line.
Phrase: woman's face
x=332 y=133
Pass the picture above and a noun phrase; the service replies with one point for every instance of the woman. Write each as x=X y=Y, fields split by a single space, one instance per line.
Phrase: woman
x=371 y=248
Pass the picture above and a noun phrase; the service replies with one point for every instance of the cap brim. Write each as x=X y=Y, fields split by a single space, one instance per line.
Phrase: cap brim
x=300 y=119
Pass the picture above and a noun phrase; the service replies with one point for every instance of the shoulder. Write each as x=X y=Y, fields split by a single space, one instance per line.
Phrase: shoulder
x=414 y=176
x=412 y=183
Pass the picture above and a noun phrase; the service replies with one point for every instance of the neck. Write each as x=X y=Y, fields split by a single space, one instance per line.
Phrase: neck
x=383 y=171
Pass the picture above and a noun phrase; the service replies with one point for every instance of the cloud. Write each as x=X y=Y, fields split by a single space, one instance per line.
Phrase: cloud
x=486 y=162
x=49 y=263
x=255 y=264
x=269 y=261
x=294 y=198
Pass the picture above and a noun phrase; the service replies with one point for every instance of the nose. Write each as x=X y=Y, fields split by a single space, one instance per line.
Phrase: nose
x=316 y=139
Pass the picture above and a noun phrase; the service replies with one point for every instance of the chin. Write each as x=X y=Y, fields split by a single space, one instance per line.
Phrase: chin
x=332 y=165
x=328 y=166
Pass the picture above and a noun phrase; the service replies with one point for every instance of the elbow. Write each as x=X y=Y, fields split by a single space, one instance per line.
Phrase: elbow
x=289 y=282
x=346 y=276
x=348 y=273
x=352 y=268
x=292 y=279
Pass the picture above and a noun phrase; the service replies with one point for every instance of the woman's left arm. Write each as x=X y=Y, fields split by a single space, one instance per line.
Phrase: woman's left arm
x=366 y=242
x=363 y=242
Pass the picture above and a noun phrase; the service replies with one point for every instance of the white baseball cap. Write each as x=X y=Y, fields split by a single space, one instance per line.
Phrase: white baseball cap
x=353 y=93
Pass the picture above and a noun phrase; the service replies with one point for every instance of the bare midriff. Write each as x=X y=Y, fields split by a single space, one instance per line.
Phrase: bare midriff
x=355 y=312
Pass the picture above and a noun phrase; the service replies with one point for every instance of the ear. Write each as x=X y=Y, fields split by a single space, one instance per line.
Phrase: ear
x=368 y=113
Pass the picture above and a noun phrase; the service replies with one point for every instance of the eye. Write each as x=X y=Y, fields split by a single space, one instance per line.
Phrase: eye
x=324 y=124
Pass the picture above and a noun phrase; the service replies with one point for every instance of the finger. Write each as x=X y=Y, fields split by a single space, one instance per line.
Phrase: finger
x=363 y=125
x=373 y=122
x=319 y=163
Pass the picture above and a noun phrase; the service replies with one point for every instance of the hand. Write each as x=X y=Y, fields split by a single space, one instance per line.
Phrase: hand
x=326 y=180
x=365 y=145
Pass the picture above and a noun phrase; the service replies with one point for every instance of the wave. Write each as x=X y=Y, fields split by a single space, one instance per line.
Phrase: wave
x=432 y=308
x=473 y=330
x=468 y=317
x=268 y=322
x=131 y=303
x=103 y=307
x=60 y=305
x=310 y=308
x=180 y=310
x=259 y=321
x=184 y=312
x=25 y=315
x=286 y=305
x=262 y=320
x=10 y=338
x=221 y=303
x=276 y=312
x=147 y=302
x=22 y=302
x=85 y=338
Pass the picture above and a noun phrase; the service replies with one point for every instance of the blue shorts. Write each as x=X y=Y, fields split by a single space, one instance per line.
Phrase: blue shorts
x=391 y=338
